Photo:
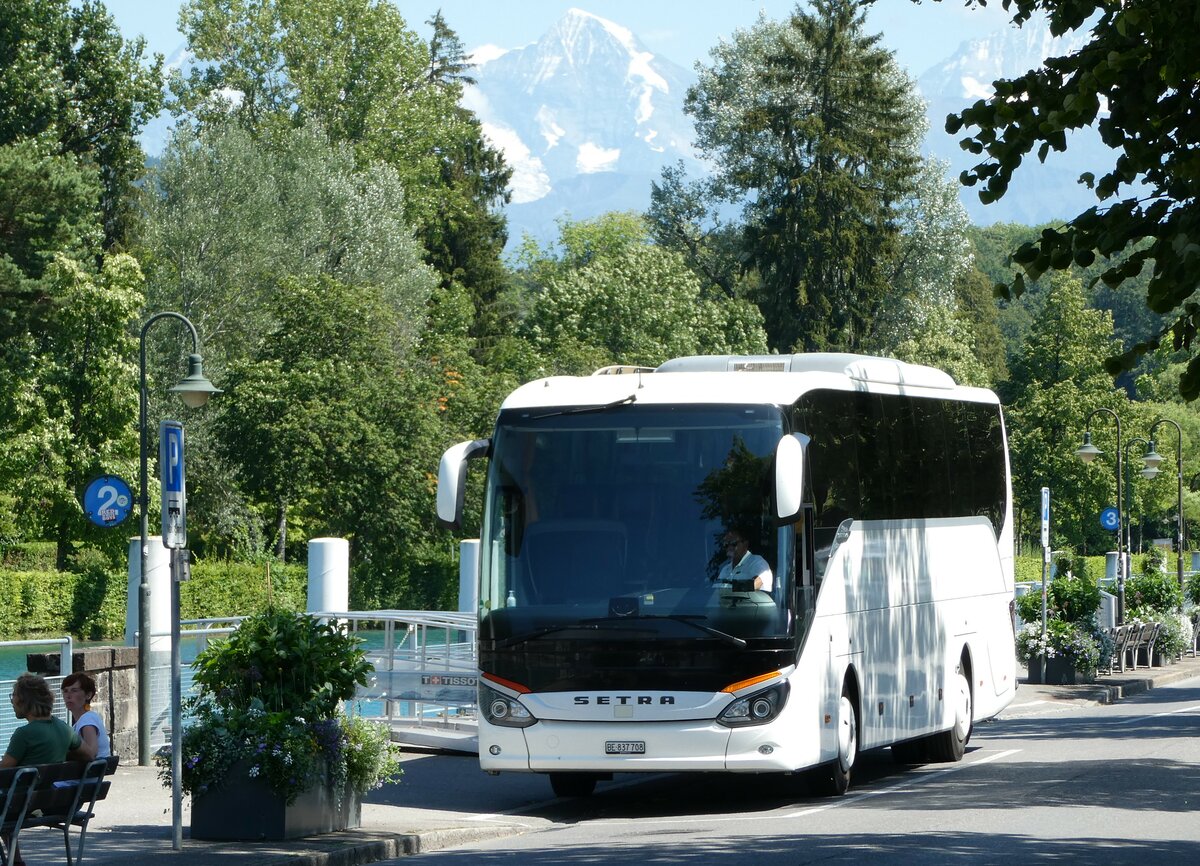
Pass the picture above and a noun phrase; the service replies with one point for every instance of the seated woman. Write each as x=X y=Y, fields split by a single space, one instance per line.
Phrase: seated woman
x=79 y=690
x=44 y=739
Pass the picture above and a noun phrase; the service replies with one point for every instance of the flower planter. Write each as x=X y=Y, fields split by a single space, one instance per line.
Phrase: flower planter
x=247 y=809
x=1056 y=671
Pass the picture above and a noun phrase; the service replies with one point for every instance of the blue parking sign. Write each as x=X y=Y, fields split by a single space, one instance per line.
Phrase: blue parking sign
x=174 y=486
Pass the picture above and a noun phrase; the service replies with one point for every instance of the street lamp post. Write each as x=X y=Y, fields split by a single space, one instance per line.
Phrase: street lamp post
x=195 y=390
x=1088 y=452
x=1152 y=459
x=1148 y=472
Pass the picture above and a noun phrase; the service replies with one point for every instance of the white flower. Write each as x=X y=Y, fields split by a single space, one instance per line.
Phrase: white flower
x=253 y=772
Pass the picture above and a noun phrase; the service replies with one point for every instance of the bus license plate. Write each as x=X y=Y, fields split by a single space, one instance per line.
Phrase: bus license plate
x=624 y=747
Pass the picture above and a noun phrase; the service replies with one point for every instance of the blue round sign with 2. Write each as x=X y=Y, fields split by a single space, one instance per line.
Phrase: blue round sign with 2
x=107 y=500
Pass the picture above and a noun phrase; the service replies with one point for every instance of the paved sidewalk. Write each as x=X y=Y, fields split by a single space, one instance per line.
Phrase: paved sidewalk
x=133 y=826
x=1110 y=688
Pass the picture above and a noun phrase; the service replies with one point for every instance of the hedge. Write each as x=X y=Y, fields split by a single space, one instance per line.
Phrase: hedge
x=90 y=605
x=1028 y=569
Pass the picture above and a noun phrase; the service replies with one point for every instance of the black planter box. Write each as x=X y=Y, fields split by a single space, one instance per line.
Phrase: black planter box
x=246 y=809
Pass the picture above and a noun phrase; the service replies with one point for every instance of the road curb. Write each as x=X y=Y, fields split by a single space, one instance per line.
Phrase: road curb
x=387 y=846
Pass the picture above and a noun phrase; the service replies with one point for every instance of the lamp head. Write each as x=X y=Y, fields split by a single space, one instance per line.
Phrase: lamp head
x=195 y=389
x=1152 y=458
x=1149 y=472
x=1087 y=452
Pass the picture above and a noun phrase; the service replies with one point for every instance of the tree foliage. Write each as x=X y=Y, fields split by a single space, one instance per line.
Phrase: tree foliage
x=355 y=68
x=69 y=80
x=609 y=296
x=1137 y=81
x=813 y=129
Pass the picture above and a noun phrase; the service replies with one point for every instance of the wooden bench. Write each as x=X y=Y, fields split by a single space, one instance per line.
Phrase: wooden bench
x=1121 y=636
x=60 y=796
x=1143 y=641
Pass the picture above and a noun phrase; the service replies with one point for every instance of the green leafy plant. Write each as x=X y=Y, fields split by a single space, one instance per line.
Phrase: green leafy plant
x=1071 y=599
x=1154 y=561
x=1192 y=589
x=1155 y=592
x=289 y=662
x=269 y=705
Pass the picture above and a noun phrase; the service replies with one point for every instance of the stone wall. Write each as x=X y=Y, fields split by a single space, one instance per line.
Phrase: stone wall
x=115 y=671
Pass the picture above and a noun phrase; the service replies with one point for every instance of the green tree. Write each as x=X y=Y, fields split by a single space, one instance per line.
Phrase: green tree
x=356 y=69
x=1057 y=379
x=1136 y=81
x=68 y=396
x=928 y=320
x=237 y=221
x=306 y=420
x=813 y=128
x=611 y=297
x=48 y=207
x=69 y=80
x=234 y=215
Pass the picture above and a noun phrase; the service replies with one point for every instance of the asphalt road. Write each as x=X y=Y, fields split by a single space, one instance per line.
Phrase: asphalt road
x=1063 y=782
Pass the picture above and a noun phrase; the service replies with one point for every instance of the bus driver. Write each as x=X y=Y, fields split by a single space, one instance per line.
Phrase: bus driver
x=742 y=564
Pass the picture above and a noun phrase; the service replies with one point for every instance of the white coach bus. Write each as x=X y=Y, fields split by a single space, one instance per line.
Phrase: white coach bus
x=612 y=640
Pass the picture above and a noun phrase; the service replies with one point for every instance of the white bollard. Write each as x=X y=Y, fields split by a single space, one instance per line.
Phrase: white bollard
x=158 y=569
x=328 y=574
x=468 y=575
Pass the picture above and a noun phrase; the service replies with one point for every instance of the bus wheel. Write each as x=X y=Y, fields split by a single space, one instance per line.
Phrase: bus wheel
x=572 y=784
x=951 y=745
x=834 y=779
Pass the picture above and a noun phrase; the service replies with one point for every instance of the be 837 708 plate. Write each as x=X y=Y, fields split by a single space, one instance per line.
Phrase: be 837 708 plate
x=625 y=747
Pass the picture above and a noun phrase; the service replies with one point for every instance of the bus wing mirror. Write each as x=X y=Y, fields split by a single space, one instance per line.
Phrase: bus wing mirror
x=452 y=480
x=789 y=480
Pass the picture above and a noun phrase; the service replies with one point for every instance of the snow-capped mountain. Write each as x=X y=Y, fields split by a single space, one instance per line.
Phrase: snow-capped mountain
x=1039 y=192
x=586 y=116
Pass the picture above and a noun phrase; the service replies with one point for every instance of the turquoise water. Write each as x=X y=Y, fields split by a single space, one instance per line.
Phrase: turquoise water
x=12 y=658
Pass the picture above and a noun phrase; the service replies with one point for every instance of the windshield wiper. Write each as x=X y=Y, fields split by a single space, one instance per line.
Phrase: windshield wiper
x=580 y=410
x=540 y=632
x=685 y=618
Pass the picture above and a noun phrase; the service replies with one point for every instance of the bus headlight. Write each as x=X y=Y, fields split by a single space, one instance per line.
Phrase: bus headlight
x=502 y=710
x=756 y=709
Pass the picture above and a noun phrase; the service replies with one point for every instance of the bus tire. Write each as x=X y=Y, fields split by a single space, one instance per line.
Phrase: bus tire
x=833 y=779
x=950 y=746
x=572 y=784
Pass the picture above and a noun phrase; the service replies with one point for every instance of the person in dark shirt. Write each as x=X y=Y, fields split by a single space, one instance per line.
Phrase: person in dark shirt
x=43 y=739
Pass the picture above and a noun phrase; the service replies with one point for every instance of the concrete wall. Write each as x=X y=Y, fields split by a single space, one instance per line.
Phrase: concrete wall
x=115 y=671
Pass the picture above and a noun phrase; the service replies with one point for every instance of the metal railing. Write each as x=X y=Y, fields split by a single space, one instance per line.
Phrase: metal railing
x=8 y=721
x=425 y=667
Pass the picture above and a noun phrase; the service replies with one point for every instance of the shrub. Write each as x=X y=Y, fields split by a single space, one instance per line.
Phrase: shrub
x=1155 y=591
x=1192 y=589
x=270 y=701
x=1069 y=599
x=1154 y=560
x=289 y=663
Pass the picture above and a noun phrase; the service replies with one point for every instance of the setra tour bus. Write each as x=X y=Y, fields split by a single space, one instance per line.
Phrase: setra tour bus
x=614 y=633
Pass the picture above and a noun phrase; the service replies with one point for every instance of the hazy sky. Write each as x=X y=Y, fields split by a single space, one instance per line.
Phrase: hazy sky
x=681 y=30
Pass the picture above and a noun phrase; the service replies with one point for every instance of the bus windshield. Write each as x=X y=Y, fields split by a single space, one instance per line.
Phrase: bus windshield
x=621 y=524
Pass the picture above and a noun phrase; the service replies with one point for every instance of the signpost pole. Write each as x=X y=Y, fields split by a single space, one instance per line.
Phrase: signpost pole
x=174 y=535
x=1045 y=565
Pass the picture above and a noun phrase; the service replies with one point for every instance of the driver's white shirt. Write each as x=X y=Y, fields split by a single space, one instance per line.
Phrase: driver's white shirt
x=751 y=566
